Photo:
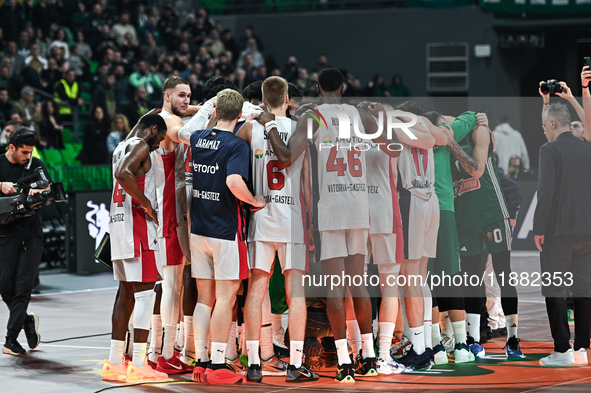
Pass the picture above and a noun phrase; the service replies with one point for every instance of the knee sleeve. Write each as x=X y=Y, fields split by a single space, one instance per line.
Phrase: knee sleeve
x=142 y=312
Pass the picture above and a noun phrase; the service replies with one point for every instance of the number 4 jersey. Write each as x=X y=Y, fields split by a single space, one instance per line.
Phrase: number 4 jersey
x=281 y=219
x=131 y=231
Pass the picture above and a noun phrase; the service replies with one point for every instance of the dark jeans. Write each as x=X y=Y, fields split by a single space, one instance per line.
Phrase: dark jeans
x=563 y=257
x=19 y=263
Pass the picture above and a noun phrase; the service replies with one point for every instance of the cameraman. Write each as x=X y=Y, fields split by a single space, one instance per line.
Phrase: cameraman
x=21 y=244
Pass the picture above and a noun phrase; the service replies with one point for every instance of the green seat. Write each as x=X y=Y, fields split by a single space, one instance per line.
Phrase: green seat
x=53 y=157
x=70 y=153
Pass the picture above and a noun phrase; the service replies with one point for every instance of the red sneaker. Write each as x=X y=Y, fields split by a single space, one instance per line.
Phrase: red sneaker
x=199 y=371
x=222 y=374
x=151 y=363
x=172 y=366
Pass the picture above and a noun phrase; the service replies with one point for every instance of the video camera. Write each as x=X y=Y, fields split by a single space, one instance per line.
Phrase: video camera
x=21 y=204
x=550 y=87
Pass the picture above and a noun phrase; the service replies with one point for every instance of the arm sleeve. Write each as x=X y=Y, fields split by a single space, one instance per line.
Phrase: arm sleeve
x=463 y=124
x=197 y=122
x=238 y=161
x=546 y=185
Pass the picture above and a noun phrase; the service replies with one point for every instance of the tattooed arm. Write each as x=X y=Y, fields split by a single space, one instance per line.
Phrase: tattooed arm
x=466 y=161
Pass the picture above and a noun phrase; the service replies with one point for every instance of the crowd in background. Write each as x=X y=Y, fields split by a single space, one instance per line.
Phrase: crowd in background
x=109 y=61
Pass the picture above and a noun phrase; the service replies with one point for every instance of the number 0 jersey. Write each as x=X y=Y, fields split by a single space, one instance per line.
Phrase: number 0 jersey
x=343 y=202
x=281 y=219
x=131 y=231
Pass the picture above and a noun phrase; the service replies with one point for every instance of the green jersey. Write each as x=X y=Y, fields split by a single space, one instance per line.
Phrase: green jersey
x=462 y=126
x=478 y=202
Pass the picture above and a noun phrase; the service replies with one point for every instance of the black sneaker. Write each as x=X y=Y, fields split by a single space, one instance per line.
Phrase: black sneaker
x=300 y=374
x=313 y=352
x=254 y=373
x=345 y=373
x=366 y=367
x=12 y=347
x=414 y=361
x=31 y=328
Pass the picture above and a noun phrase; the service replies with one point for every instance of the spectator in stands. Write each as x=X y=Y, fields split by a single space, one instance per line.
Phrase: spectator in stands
x=246 y=36
x=35 y=60
x=59 y=55
x=79 y=16
x=138 y=106
x=145 y=78
x=397 y=89
x=61 y=41
x=50 y=128
x=224 y=64
x=515 y=167
x=24 y=44
x=91 y=26
x=41 y=16
x=67 y=93
x=120 y=129
x=10 y=20
x=290 y=69
x=150 y=51
x=105 y=94
x=17 y=61
x=230 y=44
x=197 y=94
x=141 y=16
x=130 y=49
x=94 y=144
x=76 y=63
x=51 y=75
x=377 y=87
x=123 y=27
x=251 y=49
x=322 y=63
x=123 y=90
x=509 y=142
x=151 y=27
x=7 y=130
x=42 y=41
x=167 y=24
x=215 y=44
x=84 y=49
x=29 y=110
x=303 y=82
x=5 y=107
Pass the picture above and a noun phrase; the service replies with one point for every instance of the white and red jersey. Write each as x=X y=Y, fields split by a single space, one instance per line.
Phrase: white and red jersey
x=381 y=189
x=281 y=220
x=343 y=202
x=131 y=231
x=171 y=188
x=416 y=170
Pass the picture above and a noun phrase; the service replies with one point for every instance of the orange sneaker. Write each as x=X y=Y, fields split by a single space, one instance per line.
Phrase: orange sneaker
x=144 y=374
x=114 y=373
x=199 y=371
x=172 y=366
x=221 y=374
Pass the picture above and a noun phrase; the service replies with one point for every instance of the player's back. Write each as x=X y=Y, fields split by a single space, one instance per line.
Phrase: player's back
x=416 y=171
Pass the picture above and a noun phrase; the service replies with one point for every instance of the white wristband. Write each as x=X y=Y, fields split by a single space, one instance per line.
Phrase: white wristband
x=270 y=125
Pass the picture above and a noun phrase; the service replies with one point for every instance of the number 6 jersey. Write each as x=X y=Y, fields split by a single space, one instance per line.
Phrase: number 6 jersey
x=281 y=219
x=131 y=231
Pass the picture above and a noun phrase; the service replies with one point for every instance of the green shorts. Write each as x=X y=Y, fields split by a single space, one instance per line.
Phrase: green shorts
x=277 y=290
x=448 y=259
x=496 y=237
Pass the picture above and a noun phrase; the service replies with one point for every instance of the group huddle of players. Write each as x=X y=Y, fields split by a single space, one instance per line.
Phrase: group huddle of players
x=216 y=192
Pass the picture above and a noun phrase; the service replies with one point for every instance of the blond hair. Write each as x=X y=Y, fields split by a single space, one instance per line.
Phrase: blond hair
x=229 y=104
x=274 y=91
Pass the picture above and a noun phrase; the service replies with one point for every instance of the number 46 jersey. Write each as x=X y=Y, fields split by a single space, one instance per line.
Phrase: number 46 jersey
x=281 y=219
x=131 y=231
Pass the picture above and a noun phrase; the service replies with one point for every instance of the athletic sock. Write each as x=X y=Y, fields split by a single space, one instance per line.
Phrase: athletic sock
x=139 y=354
x=459 y=330
x=116 y=352
x=252 y=348
x=156 y=340
x=189 y=338
x=473 y=326
x=201 y=320
x=511 y=323
x=168 y=341
x=417 y=338
x=354 y=336
x=367 y=350
x=296 y=350
x=435 y=335
x=218 y=353
x=342 y=351
x=385 y=338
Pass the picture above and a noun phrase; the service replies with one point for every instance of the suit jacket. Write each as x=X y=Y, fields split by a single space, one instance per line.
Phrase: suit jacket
x=564 y=188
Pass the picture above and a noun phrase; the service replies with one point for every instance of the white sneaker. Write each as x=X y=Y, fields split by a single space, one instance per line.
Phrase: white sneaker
x=388 y=367
x=559 y=358
x=581 y=357
x=462 y=354
x=448 y=342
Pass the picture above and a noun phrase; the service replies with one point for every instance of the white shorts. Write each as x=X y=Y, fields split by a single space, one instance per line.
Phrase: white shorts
x=291 y=255
x=146 y=268
x=382 y=246
x=343 y=242
x=423 y=225
x=218 y=259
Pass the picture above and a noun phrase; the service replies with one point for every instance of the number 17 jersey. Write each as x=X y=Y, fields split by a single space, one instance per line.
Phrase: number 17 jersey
x=281 y=219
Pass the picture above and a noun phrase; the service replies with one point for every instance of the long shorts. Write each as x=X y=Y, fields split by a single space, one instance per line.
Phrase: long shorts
x=343 y=242
x=496 y=236
x=218 y=259
x=146 y=268
x=291 y=255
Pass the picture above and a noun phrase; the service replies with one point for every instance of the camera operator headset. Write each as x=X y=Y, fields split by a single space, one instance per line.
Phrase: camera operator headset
x=21 y=243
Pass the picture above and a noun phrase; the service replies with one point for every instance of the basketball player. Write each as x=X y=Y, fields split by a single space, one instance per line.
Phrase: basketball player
x=134 y=249
x=218 y=248
x=278 y=227
x=343 y=210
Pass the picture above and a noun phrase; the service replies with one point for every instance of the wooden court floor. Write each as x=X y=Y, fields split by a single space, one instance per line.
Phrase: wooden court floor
x=75 y=327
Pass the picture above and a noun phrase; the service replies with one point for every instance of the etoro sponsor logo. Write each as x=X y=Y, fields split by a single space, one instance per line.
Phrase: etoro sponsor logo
x=209 y=169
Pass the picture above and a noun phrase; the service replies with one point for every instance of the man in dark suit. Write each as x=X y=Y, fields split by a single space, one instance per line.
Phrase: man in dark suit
x=562 y=233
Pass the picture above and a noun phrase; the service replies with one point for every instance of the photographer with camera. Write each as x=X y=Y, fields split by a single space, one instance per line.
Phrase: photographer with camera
x=561 y=89
x=21 y=244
